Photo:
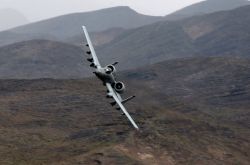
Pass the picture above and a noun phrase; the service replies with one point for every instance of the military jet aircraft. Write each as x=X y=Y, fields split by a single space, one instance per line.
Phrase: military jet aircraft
x=106 y=75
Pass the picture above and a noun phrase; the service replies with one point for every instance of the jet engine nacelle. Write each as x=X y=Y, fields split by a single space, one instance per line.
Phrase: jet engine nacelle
x=110 y=69
x=119 y=87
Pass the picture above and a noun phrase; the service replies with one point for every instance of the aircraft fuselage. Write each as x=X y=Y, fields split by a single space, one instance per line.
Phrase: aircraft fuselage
x=103 y=76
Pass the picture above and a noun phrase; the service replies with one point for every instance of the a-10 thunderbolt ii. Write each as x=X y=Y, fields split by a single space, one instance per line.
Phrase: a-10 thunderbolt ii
x=106 y=75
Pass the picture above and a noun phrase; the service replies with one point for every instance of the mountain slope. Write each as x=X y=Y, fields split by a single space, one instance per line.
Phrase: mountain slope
x=10 y=18
x=214 y=90
x=97 y=38
x=207 y=6
x=222 y=33
x=66 y=26
x=198 y=115
x=69 y=25
x=214 y=81
x=148 y=45
x=8 y=37
x=218 y=34
x=42 y=58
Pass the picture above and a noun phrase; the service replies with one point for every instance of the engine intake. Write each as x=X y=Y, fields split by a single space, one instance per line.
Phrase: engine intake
x=110 y=69
x=119 y=87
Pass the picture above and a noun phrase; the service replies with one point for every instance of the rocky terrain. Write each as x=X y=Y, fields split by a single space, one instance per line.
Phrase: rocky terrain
x=224 y=33
x=191 y=78
x=197 y=116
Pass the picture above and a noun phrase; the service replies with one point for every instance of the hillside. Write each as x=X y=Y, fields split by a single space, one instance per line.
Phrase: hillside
x=219 y=34
x=63 y=28
x=148 y=45
x=67 y=28
x=10 y=18
x=205 y=7
x=193 y=116
x=70 y=25
x=213 y=82
x=97 y=38
x=223 y=33
x=8 y=38
x=42 y=58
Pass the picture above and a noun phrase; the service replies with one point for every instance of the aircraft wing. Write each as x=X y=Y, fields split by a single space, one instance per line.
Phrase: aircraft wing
x=92 y=50
x=117 y=98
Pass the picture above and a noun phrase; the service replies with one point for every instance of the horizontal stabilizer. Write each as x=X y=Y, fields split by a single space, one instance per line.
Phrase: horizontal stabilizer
x=128 y=99
x=115 y=63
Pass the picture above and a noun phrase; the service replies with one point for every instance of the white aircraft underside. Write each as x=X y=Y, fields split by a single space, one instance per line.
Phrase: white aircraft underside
x=105 y=74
